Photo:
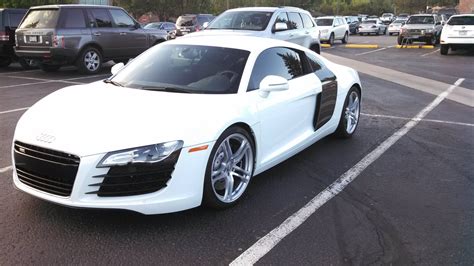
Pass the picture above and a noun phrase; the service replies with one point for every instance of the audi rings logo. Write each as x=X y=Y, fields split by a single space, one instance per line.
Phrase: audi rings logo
x=45 y=138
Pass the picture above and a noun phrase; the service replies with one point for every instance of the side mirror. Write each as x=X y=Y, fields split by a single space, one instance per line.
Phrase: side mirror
x=116 y=68
x=272 y=83
x=205 y=24
x=280 y=26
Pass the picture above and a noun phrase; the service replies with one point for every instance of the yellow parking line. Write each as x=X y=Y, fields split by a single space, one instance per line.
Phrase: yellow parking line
x=325 y=45
x=369 y=46
x=416 y=46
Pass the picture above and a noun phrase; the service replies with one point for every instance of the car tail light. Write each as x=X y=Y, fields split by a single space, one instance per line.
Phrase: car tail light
x=58 y=41
x=4 y=36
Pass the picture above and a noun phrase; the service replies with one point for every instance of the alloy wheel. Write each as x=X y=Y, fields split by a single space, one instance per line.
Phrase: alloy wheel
x=352 y=112
x=91 y=61
x=232 y=168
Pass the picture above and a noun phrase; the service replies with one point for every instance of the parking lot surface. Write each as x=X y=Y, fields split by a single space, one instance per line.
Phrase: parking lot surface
x=411 y=205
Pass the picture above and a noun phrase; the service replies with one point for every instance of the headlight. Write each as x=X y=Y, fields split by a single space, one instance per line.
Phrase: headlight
x=146 y=154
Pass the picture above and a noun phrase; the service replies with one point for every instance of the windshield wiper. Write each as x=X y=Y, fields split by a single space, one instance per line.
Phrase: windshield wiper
x=109 y=81
x=167 y=89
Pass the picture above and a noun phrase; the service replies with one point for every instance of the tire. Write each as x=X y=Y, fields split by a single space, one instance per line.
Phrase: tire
x=315 y=48
x=5 y=61
x=90 y=61
x=385 y=31
x=49 y=68
x=331 y=39
x=226 y=168
x=345 y=38
x=27 y=63
x=350 y=114
x=444 y=49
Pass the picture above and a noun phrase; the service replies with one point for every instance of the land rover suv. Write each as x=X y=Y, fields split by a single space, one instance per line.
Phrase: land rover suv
x=81 y=35
x=422 y=27
x=284 y=23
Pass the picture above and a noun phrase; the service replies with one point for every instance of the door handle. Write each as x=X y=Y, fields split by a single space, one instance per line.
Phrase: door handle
x=123 y=33
x=97 y=34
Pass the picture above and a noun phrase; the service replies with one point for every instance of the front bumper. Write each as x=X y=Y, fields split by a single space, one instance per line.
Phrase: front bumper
x=415 y=37
x=457 y=40
x=364 y=30
x=48 y=55
x=183 y=190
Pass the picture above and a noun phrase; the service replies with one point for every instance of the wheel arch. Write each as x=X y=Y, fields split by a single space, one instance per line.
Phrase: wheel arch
x=90 y=44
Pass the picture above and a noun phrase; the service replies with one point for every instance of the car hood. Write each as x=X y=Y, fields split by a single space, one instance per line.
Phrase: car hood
x=218 y=32
x=418 y=26
x=98 y=118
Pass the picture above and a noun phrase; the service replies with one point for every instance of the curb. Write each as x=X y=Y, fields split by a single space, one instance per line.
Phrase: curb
x=325 y=45
x=415 y=46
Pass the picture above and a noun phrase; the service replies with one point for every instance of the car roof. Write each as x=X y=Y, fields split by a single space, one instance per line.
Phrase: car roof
x=72 y=6
x=327 y=17
x=463 y=15
x=268 y=9
x=423 y=15
x=249 y=43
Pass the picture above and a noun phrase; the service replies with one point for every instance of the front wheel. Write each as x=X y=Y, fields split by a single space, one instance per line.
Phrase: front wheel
x=350 y=114
x=229 y=168
x=331 y=39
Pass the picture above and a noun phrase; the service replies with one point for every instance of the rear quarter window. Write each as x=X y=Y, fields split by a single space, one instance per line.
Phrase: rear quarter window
x=73 y=18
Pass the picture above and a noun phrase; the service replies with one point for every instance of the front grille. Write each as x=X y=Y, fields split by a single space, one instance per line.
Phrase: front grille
x=44 y=169
x=414 y=32
x=135 y=179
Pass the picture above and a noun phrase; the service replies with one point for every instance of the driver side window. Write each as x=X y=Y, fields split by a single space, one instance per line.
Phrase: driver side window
x=279 y=61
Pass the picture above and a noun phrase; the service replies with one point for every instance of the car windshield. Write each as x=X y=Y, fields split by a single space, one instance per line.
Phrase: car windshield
x=420 y=20
x=324 y=21
x=40 y=19
x=185 y=68
x=386 y=15
x=464 y=20
x=186 y=21
x=369 y=22
x=152 y=26
x=242 y=20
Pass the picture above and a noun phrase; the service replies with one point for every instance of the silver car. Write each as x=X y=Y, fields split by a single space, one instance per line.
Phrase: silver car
x=394 y=27
x=372 y=26
x=284 y=23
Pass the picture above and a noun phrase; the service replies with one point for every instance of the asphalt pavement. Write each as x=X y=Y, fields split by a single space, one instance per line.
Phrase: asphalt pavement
x=412 y=205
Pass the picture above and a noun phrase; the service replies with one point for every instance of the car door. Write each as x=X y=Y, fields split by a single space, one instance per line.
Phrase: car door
x=297 y=30
x=103 y=32
x=133 y=39
x=286 y=117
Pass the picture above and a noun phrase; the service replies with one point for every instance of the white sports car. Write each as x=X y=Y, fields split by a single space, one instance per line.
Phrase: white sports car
x=186 y=123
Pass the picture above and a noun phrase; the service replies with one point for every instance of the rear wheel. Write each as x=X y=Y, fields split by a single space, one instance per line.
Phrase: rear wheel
x=444 y=49
x=316 y=48
x=28 y=63
x=229 y=168
x=5 y=61
x=346 y=37
x=90 y=61
x=350 y=114
x=49 y=68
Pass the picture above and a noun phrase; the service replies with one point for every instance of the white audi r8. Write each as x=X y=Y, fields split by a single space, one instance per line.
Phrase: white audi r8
x=186 y=123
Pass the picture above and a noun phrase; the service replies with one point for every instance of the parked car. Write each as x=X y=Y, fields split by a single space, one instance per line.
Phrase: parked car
x=10 y=18
x=353 y=22
x=387 y=18
x=283 y=23
x=421 y=27
x=394 y=27
x=404 y=16
x=189 y=23
x=333 y=28
x=81 y=35
x=188 y=122
x=458 y=33
x=372 y=26
x=169 y=27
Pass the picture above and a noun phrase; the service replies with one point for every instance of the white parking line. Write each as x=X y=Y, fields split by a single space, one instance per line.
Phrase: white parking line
x=13 y=110
x=6 y=169
x=424 y=120
x=373 y=51
x=269 y=241
x=430 y=53
x=43 y=81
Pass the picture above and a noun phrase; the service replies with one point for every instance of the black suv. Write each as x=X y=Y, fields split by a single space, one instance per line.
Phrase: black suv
x=191 y=22
x=10 y=18
x=83 y=35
